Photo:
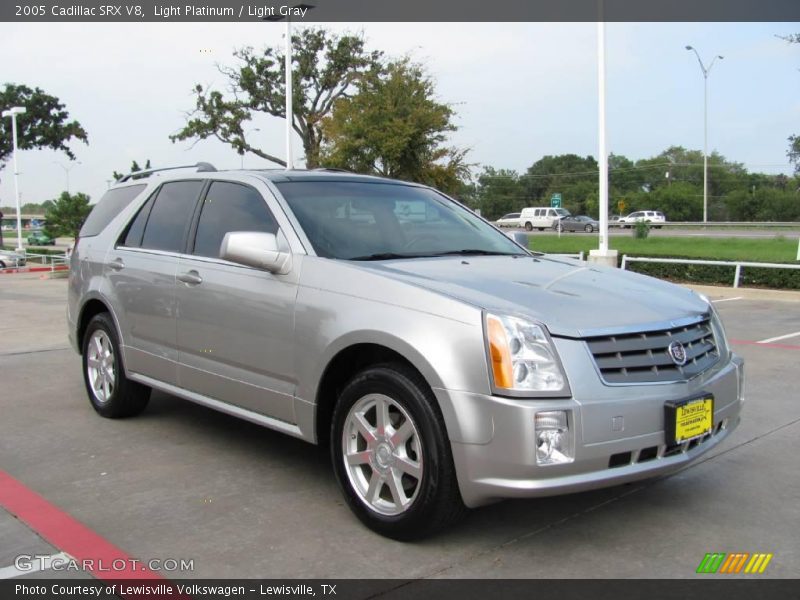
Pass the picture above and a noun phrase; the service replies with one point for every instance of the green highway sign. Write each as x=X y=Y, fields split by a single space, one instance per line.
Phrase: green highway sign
x=555 y=201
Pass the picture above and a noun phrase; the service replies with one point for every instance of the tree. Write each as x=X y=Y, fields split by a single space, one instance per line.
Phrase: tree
x=500 y=192
x=574 y=177
x=45 y=124
x=794 y=152
x=66 y=215
x=134 y=169
x=394 y=127
x=794 y=140
x=325 y=67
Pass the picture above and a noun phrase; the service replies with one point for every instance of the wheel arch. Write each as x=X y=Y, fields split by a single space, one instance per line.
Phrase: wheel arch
x=93 y=306
x=354 y=357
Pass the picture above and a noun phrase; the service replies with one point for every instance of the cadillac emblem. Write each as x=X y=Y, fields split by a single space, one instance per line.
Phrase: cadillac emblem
x=677 y=353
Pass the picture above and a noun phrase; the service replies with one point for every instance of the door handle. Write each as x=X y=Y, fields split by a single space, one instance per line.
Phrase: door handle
x=117 y=264
x=191 y=277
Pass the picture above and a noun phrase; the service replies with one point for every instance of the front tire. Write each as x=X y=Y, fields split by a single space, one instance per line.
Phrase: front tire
x=111 y=393
x=391 y=454
x=588 y=229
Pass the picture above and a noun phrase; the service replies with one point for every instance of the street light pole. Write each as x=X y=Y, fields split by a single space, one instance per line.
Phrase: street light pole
x=603 y=254
x=706 y=71
x=13 y=112
x=288 y=69
x=289 y=113
x=67 y=170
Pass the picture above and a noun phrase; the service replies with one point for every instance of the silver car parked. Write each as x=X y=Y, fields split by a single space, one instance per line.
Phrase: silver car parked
x=445 y=366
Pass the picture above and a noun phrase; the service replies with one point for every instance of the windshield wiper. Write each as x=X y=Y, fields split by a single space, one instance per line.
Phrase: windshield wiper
x=384 y=256
x=465 y=252
x=475 y=252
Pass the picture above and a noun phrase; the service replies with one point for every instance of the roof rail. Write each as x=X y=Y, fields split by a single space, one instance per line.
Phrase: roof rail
x=202 y=167
x=333 y=169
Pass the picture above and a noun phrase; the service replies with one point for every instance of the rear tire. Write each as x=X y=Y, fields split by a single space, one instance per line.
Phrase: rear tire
x=391 y=454
x=111 y=393
x=528 y=227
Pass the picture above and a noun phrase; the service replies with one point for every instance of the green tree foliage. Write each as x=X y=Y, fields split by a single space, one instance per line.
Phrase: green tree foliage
x=570 y=175
x=794 y=152
x=45 y=124
x=794 y=140
x=734 y=193
x=499 y=192
x=135 y=168
x=393 y=126
x=325 y=68
x=66 y=215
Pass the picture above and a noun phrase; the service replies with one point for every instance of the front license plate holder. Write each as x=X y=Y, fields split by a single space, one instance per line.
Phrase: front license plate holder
x=688 y=419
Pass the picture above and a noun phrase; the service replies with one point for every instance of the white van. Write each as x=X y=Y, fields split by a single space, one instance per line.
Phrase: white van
x=541 y=217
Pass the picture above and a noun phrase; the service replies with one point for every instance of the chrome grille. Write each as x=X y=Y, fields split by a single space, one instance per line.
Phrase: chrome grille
x=644 y=357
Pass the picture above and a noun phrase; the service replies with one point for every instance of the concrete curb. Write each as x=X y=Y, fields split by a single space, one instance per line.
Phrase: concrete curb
x=719 y=292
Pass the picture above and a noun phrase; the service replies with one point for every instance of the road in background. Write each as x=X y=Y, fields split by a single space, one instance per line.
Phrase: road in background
x=693 y=232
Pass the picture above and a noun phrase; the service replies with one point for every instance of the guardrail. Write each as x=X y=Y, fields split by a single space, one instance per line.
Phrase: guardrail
x=724 y=263
x=714 y=224
x=55 y=262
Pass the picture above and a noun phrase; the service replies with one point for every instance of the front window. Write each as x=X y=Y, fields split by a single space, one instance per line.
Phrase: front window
x=375 y=221
x=562 y=212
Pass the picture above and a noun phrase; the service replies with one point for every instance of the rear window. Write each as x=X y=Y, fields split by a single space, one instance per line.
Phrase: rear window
x=110 y=205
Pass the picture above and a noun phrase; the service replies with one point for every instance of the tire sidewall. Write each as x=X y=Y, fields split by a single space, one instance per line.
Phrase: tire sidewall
x=394 y=384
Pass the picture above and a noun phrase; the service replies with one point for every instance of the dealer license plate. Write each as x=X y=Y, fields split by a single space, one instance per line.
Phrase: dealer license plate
x=689 y=419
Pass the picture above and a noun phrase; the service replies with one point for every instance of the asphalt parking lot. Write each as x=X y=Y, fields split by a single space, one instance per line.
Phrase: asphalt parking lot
x=239 y=501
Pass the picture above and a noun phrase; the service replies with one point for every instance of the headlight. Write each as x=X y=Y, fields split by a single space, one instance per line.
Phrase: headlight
x=523 y=359
x=719 y=333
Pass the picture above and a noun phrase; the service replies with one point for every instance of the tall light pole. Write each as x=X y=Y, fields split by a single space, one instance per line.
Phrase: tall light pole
x=288 y=69
x=706 y=71
x=602 y=254
x=13 y=112
x=67 y=169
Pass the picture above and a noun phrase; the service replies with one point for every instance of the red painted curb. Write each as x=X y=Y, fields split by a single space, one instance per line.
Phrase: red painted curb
x=13 y=270
x=92 y=552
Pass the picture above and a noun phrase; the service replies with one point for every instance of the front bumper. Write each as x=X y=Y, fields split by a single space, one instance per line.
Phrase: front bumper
x=494 y=447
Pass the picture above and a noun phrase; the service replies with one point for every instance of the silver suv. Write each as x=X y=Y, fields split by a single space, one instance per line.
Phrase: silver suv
x=445 y=366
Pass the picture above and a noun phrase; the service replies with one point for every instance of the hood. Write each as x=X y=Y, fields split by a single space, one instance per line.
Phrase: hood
x=572 y=299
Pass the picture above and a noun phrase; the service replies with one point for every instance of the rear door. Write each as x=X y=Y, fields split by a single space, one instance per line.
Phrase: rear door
x=235 y=323
x=141 y=270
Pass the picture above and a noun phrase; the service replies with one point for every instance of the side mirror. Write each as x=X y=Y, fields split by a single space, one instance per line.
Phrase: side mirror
x=519 y=237
x=257 y=249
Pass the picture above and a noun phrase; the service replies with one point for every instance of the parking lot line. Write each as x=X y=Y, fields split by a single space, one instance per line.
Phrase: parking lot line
x=764 y=344
x=94 y=553
x=41 y=564
x=780 y=337
x=726 y=299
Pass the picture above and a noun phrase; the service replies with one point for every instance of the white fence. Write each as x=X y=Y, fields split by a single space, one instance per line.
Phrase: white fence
x=724 y=263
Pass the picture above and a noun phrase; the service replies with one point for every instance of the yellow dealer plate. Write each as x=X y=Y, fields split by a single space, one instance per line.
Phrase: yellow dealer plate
x=693 y=419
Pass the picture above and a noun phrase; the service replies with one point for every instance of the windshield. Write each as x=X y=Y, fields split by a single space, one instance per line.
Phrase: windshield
x=563 y=212
x=376 y=221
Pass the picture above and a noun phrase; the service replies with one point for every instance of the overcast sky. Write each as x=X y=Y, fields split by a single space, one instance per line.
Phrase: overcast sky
x=520 y=90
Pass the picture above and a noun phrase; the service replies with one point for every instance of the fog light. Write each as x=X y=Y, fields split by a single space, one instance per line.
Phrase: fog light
x=553 y=438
